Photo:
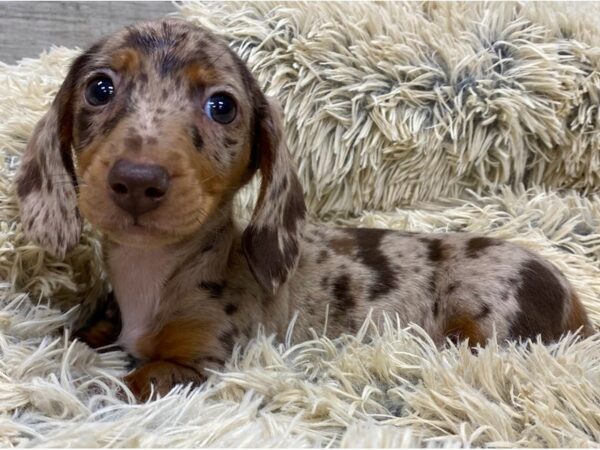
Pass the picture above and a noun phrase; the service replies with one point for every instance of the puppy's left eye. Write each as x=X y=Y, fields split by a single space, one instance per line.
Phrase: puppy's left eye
x=221 y=108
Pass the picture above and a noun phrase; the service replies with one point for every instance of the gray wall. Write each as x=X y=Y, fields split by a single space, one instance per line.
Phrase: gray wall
x=27 y=28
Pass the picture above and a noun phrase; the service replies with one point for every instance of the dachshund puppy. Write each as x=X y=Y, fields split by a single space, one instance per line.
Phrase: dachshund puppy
x=153 y=132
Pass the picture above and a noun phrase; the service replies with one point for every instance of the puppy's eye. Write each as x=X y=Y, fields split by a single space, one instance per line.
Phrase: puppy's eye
x=99 y=91
x=220 y=108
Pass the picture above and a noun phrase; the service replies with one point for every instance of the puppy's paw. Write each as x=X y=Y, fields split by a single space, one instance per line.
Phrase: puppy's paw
x=163 y=376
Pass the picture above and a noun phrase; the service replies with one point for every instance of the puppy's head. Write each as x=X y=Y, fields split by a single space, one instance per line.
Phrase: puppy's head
x=153 y=130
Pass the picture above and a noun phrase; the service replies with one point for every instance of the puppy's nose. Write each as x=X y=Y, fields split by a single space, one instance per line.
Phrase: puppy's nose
x=137 y=188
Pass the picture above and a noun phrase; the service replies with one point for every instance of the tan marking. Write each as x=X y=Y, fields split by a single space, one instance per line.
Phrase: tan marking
x=578 y=318
x=126 y=60
x=182 y=342
x=465 y=328
x=200 y=75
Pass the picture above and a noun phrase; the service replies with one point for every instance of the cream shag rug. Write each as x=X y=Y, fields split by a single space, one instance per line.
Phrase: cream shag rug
x=468 y=116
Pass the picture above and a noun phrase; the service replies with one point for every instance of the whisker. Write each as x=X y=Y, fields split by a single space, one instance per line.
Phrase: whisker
x=207 y=179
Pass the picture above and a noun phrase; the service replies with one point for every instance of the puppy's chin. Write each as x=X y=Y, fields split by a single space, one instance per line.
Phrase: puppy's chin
x=141 y=237
x=143 y=233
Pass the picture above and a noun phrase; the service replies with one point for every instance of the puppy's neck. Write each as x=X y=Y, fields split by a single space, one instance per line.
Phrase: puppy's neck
x=139 y=275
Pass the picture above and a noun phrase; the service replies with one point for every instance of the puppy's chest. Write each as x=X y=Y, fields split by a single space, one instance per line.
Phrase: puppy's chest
x=138 y=277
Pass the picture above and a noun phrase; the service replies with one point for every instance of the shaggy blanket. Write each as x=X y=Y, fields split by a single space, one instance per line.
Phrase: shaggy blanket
x=415 y=116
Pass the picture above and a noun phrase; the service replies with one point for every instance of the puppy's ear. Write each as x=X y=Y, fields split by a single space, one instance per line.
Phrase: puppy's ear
x=46 y=182
x=271 y=240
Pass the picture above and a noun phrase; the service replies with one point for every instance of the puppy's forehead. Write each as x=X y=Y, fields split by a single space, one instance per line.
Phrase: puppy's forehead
x=178 y=38
x=168 y=47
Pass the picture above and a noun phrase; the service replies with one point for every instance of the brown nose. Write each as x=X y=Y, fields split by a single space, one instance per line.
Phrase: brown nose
x=137 y=188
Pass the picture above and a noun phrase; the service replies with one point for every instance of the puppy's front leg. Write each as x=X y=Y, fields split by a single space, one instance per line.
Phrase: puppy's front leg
x=180 y=353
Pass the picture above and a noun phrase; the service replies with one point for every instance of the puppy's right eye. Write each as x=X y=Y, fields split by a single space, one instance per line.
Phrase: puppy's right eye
x=99 y=91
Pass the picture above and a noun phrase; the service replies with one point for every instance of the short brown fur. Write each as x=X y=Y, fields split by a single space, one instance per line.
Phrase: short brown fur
x=577 y=319
x=465 y=328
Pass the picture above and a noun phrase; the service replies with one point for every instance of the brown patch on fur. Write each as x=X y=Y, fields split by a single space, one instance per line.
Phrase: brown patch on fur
x=460 y=328
x=199 y=74
x=343 y=303
x=476 y=245
x=437 y=250
x=542 y=301
x=274 y=264
x=182 y=341
x=126 y=60
x=230 y=309
x=368 y=241
x=175 y=59
x=343 y=295
x=578 y=318
x=343 y=245
x=133 y=142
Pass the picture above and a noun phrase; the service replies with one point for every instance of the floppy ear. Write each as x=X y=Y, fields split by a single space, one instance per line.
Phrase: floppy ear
x=271 y=240
x=46 y=182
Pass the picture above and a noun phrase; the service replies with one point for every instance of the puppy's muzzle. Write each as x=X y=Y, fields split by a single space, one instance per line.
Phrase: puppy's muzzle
x=137 y=188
